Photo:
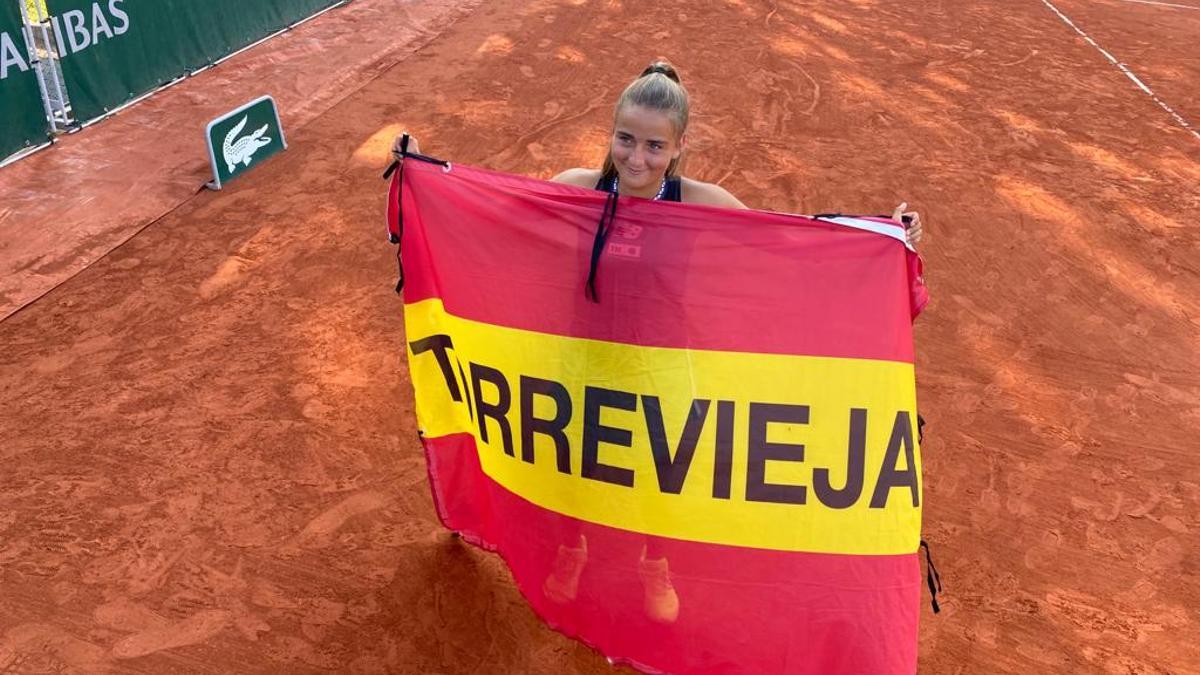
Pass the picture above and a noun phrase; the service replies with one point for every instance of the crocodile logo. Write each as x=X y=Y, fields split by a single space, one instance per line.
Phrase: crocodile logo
x=242 y=149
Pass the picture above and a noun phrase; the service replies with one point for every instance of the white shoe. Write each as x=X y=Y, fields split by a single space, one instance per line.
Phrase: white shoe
x=661 y=600
x=563 y=583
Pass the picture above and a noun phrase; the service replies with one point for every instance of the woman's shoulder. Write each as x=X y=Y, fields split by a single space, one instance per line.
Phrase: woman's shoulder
x=582 y=177
x=699 y=192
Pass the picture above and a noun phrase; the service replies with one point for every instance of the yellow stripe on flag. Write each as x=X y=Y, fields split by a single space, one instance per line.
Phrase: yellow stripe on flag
x=788 y=424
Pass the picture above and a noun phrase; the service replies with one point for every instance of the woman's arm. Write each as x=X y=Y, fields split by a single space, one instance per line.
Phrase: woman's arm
x=582 y=177
x=697 y=192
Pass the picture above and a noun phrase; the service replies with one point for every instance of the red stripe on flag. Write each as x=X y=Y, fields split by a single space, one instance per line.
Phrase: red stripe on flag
x=672 y=275
x=740 y=609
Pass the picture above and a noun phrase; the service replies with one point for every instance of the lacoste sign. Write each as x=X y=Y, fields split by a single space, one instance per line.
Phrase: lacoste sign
x=243 y=138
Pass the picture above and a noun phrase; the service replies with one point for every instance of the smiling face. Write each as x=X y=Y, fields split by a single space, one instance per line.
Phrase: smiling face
x=644 y=142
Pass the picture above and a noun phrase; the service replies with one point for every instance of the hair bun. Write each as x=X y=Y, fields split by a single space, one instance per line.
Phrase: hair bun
x=662 y=68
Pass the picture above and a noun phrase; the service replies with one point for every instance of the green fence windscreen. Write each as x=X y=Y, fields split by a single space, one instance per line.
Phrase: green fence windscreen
x=116 y=50
x=22 y=115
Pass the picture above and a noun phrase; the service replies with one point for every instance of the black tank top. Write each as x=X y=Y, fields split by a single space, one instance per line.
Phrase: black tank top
x=672 y=190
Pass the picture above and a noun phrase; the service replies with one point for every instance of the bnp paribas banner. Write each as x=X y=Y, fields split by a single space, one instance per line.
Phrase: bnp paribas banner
x=115 y=50
x=20 y=102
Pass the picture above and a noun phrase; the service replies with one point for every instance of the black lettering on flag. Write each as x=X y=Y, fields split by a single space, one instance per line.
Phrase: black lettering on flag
x=761 y=451
x=439 y=345
x=856 y=456
x=594 y=399
x=463 y=378
x=553 y=427
x=889 y=477
x=723 y=463
x=672 y=471
x=497 y=410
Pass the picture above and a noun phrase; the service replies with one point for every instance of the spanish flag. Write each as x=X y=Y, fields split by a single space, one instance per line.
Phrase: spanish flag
x=689 y=431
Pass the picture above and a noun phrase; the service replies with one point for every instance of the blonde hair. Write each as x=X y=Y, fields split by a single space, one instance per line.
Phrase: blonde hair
x=657 y=88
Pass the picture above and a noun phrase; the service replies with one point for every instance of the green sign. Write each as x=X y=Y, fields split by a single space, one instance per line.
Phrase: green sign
x=115 y=50
x=240 y=139
x=21 y=109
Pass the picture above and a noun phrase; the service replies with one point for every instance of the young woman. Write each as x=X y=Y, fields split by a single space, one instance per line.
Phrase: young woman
x=644 y=156
x=647 y=145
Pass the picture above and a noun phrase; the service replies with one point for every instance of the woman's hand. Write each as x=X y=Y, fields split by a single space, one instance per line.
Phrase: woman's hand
x=412 y=146
x=912 y=232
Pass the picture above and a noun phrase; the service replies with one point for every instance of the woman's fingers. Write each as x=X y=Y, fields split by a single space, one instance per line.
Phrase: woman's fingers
x=398 y=143
x=912 y=222
x=915 y=230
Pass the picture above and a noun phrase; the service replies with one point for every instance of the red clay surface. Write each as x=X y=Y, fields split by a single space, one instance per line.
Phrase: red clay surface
x=1155 y=41
x=210 y=461
x=65 y=207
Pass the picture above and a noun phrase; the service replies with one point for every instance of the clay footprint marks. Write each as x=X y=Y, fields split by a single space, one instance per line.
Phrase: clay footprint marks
x=226 y=275
x=200 y=627
x=317 y=533
x=43 y=648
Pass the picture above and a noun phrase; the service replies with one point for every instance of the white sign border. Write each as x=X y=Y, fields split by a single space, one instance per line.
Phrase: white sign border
x=215 y=183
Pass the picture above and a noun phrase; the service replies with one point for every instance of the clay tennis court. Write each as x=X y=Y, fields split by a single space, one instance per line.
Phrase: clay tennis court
x=208 y=449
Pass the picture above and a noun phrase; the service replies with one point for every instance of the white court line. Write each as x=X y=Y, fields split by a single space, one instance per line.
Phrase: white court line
x=1162 y=4
x=1128 y=73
